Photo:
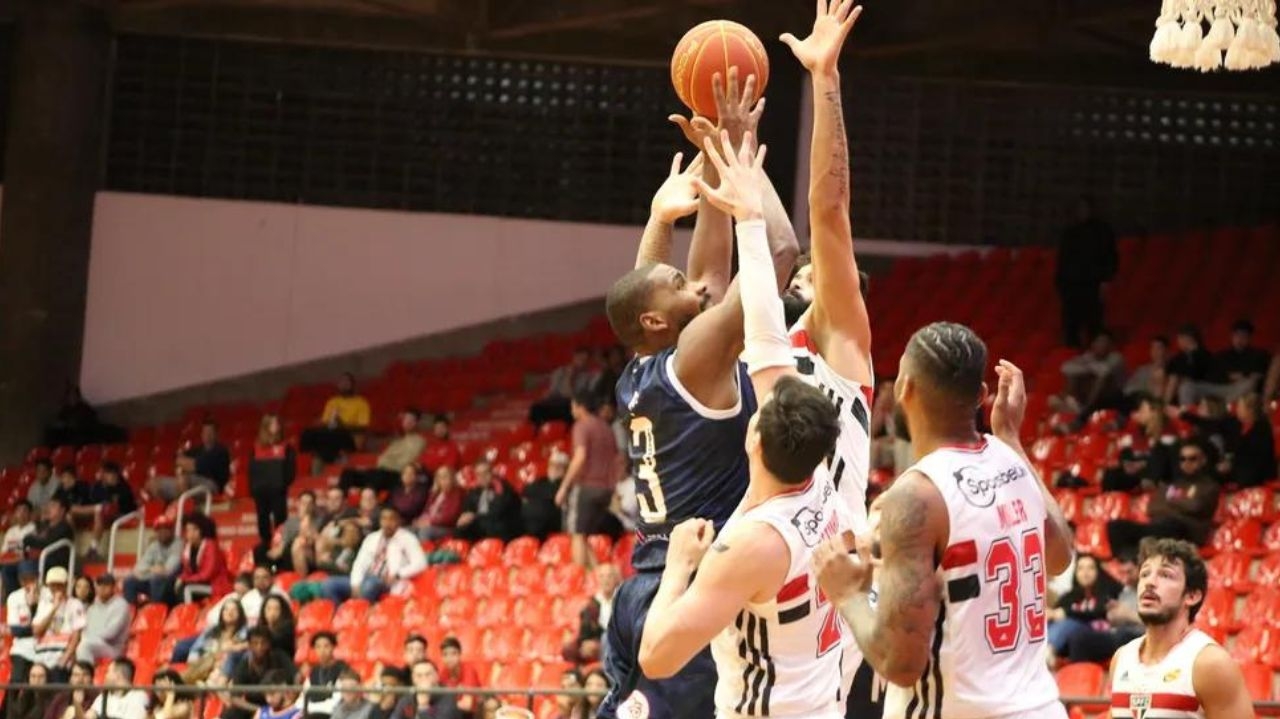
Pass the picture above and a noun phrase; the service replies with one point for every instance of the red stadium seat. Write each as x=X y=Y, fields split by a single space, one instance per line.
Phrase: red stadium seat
x=1093 y=448
x=388 y=612
x=566 y=580
x=457 y=612
x=1239 y=535
x=602 y=546
x=532 y=611
x=1071 y=502
x=1257 y=643
x=387 y=645
x=150 y=618
x=1218 y=614
x=1258 y=680
x=526 y=581
x=485 y=553
x=1271 y=538
x=495 y=611
x=521 y=551
x=1091 y=538
x=353 y=642
x=1081 y=680
x=555 y=550
x=453 y=580
x=1231 y=570
x=1108 y=506
x=1268 y=573
x=1138 y=507
x=488 y=582
x=553 y=431
x=543 y=644
x=350 y=616
x=183 y=620
x=502 y=644
x=1253 y=503
x=459 y=546
x=1263 y=605
x=420 y=612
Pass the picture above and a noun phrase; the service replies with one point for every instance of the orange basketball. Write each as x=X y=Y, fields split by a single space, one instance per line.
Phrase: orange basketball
x=714 y=47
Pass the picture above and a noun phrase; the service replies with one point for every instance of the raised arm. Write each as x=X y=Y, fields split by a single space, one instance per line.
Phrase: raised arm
x=839 y=322
x=894 y=635
x=677 y=197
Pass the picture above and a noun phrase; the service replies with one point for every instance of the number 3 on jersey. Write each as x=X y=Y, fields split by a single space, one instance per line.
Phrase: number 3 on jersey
x=1007 y=566
x=653 y=506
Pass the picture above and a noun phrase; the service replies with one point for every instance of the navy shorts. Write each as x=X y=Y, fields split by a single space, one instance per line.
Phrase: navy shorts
x=687 y=695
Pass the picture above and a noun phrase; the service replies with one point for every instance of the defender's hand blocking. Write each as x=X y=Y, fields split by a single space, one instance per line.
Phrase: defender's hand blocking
x=738 y=113
x=689 y=542
x=1010 y=406
x=821 y=50
x=678 y=195
x=741 y=190
x=841 y=574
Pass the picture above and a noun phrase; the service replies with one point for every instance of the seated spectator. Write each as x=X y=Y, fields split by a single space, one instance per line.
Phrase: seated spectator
x=566 y=382
x=1122 y=614
x=76 y=495
x=342 y=424
x=613 y=362
x=587 y=488
x=1128 y=475
x=456 y=673
x=569 y=706
x=387 y=560
x=1212 y=423
x=106 y=630
x=264 y=586
x=351 y=703
x=1191 y=364
x=1149 y=379
x=57 y=625
x=278 y=554
x=538 y=510
x=450 y=456
x=595 y=617
x=1082 y=609
x=228 y=637
x=77 y=424
x=490 y=509
x=409 y=498
x=1251 y=455
x=55 y=528
x=31 y=702
x=415 y=650
x=203 y=563
x=279 y=703
x=1236 y=371
x=398 y=455
x=1182 y=509
x=109 y=497
x=66 y=705
x=169 y=701
x=271 y=472
x=20 y=610
x=443 y=507
x=21 y=523
x=207 y=465
x=1161 y=443
x=322 y=676
x=253 y=669
x=424 y=705
x=323 y=534
x=385 y=703
x=1095 y=379
x=82 y=589
x=43 y=485
x=277 y=617
x=243 y=583
x=598 y=685
x=490 y=708
x=119 y=703
x=157 y=568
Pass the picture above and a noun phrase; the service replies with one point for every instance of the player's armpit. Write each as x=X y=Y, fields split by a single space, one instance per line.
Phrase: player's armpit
x=1219 y=685
x=895 y=637
x=706 y=358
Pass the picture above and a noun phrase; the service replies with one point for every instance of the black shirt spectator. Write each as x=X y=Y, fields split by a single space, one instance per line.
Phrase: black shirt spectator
x=252 y=669
x=113 y=491
x=271 y=471
x=56 y=527
x=1086 y=259
x=1242 y=360
x=212 y=462
x=538 y=500
x=1251 y=458
x=491 y=509
x=72 y=491
x=1192 y=361
x=1182 y=509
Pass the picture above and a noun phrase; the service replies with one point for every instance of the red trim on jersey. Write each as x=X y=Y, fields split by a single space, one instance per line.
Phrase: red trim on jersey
x=798 y=490
x=869 y=395
x=1160 y=700
x=960 y=555
x=977 y=445
x=800 y=340
x=794 y=589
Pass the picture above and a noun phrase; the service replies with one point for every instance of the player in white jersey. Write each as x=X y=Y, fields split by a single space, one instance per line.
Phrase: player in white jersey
x=966 y=540
x=1174 y=671
x=777 y=642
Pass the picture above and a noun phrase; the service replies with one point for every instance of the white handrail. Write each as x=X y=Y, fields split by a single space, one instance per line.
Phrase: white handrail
x=71 y=557
x=193 y=492
x=111 y=538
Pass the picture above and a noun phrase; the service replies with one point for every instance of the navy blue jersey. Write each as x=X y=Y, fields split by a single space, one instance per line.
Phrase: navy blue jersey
x=690 y=460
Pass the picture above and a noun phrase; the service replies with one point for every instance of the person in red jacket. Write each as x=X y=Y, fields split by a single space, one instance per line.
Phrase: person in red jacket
x=202 y=558
x=444 y=506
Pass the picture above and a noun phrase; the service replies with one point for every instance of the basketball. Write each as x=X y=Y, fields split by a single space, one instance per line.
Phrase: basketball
x=714 y=47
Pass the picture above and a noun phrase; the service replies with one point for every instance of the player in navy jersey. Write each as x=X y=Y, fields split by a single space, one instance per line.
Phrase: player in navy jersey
x=686 y=399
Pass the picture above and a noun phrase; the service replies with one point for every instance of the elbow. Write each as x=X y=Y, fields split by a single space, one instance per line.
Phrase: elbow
x=653 y=664
x=905 y=671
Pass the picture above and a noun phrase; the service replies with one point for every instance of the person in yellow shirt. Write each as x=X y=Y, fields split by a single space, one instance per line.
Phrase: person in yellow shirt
x=342 y=423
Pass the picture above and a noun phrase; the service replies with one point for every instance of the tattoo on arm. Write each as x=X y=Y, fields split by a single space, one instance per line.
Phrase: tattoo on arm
x=839 y=169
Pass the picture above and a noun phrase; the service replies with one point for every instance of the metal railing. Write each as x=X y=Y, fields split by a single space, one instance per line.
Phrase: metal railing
x=111 y=537
x=51 y=548
x=189 y=494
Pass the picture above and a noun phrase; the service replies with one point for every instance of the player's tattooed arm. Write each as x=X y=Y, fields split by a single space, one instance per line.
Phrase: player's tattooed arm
x=677 y=197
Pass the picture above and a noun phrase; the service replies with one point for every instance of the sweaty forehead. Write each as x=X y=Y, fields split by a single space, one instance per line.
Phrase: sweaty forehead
x=1156 y=563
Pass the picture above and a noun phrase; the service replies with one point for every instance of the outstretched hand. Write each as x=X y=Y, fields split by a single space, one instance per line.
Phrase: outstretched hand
x=821 y=50
x=1010 y=406
x=738 y=112
x=742 y=178
x=678 y=195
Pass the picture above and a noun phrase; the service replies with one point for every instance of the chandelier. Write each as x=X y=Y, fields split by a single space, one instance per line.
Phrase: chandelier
x=1241 y=34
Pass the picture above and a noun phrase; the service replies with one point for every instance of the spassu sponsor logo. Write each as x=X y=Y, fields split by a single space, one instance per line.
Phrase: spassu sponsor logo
x=979 y=490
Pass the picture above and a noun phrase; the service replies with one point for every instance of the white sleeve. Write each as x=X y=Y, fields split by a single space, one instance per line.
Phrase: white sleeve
x=364 y=558
x=764 y=323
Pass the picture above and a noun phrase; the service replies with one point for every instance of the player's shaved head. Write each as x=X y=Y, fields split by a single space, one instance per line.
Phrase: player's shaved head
x=798 y=427
x=628 y=299
x=950 y=359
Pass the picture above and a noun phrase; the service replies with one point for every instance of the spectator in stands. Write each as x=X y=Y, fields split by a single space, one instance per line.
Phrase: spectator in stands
x=569 y=706
x=31 y=702
x=1083 y=608
x=43 y=485
x=207 y=465
x=489 y=709
x=424 y=705
x=443 y=507
x=449 y=456
x=1212 y=423
x=415 y=650
x=595 y=616
x=538 y=510
x=1182 y=509
x=82 y=589
x=55 y=528
x=566 y=382
x=229 y=636
x=111 y=497
x=1236 y=371
x=21 y=523
x=597 y=684
x=119 y=703
x=401 y=452
x=614 y=360
x=1149 y=379
x=342 y=424
x=322 y=676
x=278 y=554
x=1087 y=261
x=1122 y=614
x=491 y=507
x=1251 y=454
x=76 y=494
x=277 y=616
x=66 y=705
x=456 y=673
x=587 y=488
x=77 y=424
x=1128 y=475
x=57 y=625
x=264 y=586
x=339 y=529
x=152 y=578
x=279 y=702
x=106 y=630
x=271 y=472
x=1161 y=452
x=243 y=583
x=1095 y=379
x=384 y=703
x=20 y=611
x=253 y=670
x=1191 y=364
x=387 y=559
x=351 y=703
x=169 y=702
x=203 y=563
x=409 y=498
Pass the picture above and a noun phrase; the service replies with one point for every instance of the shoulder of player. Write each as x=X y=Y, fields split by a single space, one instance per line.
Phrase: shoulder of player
x=913 y=508
x=754 y=541
x=1214 y=670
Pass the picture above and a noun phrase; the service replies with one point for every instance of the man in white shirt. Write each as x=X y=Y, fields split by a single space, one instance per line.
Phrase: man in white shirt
x=387 y=560
x=264 y=585
x=45 y=485
x=106 y=629
x=20 y=610
x=20 y=526
x=117 y=704
x=59 y=620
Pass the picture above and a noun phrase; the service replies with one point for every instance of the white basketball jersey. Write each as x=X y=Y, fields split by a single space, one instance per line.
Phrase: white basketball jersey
x=849 y=467
x=987 y=655
x=782 y=658
x=1157 y=691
